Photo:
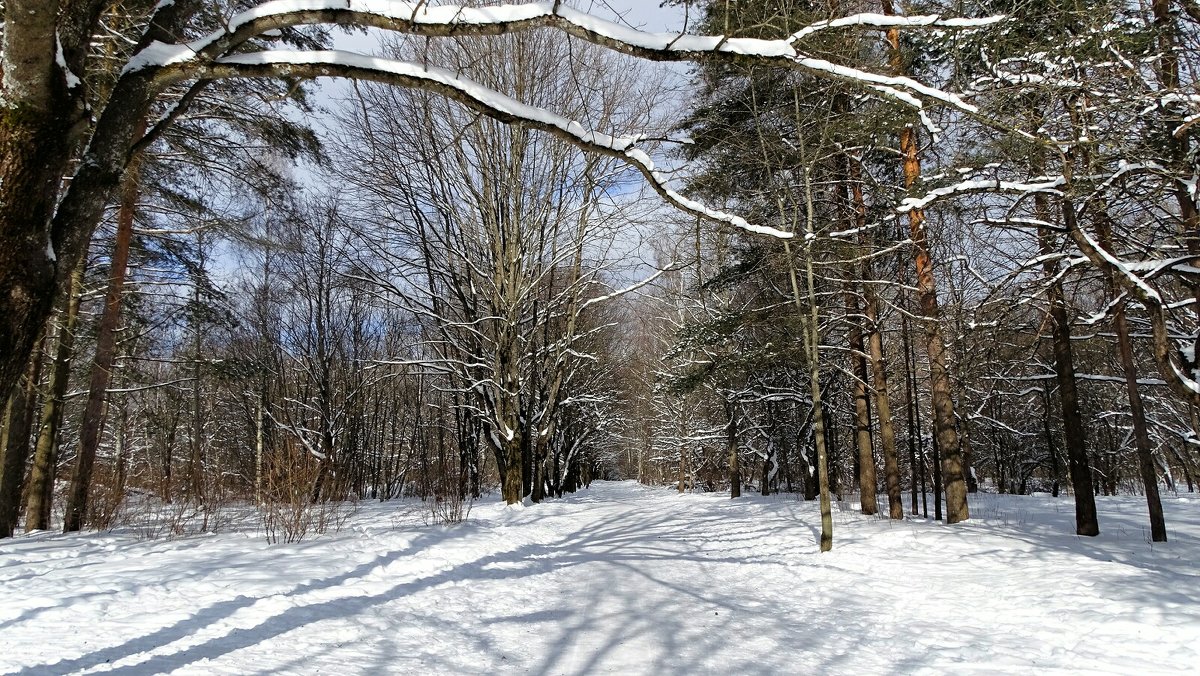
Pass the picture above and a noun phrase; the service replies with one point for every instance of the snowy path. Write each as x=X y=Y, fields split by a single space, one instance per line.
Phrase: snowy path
x=620 y=579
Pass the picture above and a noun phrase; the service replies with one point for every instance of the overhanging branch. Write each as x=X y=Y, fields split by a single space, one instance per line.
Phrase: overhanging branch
x=273 y=64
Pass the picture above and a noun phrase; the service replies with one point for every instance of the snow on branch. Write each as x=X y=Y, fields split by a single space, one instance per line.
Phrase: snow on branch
x=215 y=56
x=451 y=20
x=276 y=63
x=629 y=289
x=980 y=186
x=887 y=21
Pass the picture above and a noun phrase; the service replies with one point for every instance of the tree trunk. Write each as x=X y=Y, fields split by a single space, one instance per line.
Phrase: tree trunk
x=862 y=412
x=943 y=404
x=106 y=352
x=45 y=458
x=883 y=407
x=122 y=451
x=812 y=339
x=18 y=423
x=512 y=484
x=735 y=469
x=260 y=426
x=968 y=464
x=682 y=467
x=914 y=436
x=1051 y=453
x=32 y=162
x=937 y=479
x=1137 y=410
x=768 y=468
x=822 y=463
x=1074 y=438
x=1180 y=151
x=940 y=386
x=196 y=460
x=1158 y=525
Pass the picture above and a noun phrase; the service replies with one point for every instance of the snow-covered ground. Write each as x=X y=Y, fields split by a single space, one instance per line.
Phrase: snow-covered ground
x=622 y=579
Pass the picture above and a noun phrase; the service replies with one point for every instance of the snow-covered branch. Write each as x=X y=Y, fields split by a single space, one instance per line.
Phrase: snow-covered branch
x=472 y=95
x=887 y=21
x=214 y=56
x=450 y=20
x=981 y=186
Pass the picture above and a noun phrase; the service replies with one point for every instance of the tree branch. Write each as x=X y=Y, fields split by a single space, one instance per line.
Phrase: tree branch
x=493 y=104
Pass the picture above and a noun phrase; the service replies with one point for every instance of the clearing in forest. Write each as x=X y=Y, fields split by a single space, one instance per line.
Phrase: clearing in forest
x=623 y=579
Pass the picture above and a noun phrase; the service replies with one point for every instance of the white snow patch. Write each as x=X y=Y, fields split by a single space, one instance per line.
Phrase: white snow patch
x=73 y=80
x=621 y=579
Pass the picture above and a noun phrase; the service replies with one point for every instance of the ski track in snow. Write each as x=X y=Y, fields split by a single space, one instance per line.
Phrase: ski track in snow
x=620 y=579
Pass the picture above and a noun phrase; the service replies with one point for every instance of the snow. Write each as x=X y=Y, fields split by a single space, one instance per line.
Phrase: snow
x=60 y=60
x=423 y=15
x=870 y=20
x=622 y=579
x=983 y=185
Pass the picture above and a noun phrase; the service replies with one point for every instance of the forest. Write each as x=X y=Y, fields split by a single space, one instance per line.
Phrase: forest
x=955 y=251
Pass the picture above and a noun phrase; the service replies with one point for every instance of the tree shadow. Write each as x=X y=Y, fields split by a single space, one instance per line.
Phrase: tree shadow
x=607 y=554
x=644 y=588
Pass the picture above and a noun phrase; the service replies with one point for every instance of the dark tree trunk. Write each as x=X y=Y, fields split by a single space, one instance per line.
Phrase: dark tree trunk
x=106 y=353
x=862 y=412
x=735 y=469
x=914 y=435
x=682 y=467
x=1074 y=438
x=45 y=457
x=1137 y=410
x=22 y=407
x=41 y=120
x=1051 y=452
x=883 y=408
x=968 y=466
x=32 y=162
x=511 y=460
x=810 y=469
x=937 y=479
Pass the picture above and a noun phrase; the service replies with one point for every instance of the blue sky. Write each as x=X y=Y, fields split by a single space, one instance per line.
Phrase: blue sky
x=644 y=14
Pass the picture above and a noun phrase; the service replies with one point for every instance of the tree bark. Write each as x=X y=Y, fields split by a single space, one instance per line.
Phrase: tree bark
x=682 y=466
x=42 y=238
x=45 y=457
x=1180 y=152
x=1137 y=410
x=914 y=437
x=735 y=468
x=34 y=131
x=812 y=341
x=1074 y=437
x=106 y=352
x=511 y=481
x=937 y=479
x=940 y=386
x=18 y=423
x=862 y=412
x=883 y=407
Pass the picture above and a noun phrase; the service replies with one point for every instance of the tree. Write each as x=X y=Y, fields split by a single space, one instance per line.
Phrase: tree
x=507 y=278
x=47 y=63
